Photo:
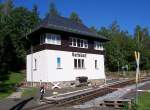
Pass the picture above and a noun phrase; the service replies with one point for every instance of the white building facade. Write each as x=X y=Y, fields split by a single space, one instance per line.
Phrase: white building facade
x=60 y=55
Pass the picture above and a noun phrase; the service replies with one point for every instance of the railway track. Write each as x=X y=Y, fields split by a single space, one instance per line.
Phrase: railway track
x=73 y=99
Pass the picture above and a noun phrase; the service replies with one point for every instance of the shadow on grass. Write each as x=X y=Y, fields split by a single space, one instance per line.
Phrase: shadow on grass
x=10 y=83
x=6 y=87
x=6 y=90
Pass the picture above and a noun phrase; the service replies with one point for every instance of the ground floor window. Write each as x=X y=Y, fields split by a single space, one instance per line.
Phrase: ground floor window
x=79 y=64
x=58 y=62
x=35 y=64
x=75 y=63
x=96 y=64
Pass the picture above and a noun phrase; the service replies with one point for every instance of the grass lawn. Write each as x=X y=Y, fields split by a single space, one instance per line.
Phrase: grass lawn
x=144 y=101
x=29 y=92
x=7 y=87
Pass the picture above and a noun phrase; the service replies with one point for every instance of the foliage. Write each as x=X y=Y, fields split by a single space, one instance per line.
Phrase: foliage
x=75 y=17
x=29 y=92
x=53 y=10
x=7 y=86
x=134 y=106
x=143 y=101
x=15 y=22
x=120 y=49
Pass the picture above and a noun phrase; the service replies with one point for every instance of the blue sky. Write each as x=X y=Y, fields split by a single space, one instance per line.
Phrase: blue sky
x=98 y=13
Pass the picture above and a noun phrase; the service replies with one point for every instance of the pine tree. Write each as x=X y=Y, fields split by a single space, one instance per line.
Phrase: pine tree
x=8 y=5
x=75 y=17
x=53 y=10
x=35 y=16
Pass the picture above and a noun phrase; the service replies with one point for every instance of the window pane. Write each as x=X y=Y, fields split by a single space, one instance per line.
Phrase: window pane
x=82 y=42
x=35 y=63
x=58 y=40
x=78 y=43
x=42 y=39
x=49 y=38
x=79 y=63
x=75 y=63
x=98 y=45
x=83 y=63
x=58 y=62
x=85 y=44
x=74 y=42
x=94 y=44
x=53 y=39
x=70 y=41
x=95 y=63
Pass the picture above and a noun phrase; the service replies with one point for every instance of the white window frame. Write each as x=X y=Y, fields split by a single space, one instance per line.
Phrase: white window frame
x=80 y=63
x=35 y=64
x=54 y=39
x=85 y=43
x=42 y=39
x=58 y=63
x=98 y=45
x=96 y=64
x=76 y=42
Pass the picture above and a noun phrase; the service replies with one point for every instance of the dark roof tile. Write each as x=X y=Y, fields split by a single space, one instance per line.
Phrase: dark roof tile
x=67 y=25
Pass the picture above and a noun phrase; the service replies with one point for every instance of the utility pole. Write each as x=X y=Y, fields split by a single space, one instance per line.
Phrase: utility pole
x=137 y=58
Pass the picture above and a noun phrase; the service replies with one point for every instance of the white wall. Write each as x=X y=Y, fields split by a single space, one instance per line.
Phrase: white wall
x=47 y=66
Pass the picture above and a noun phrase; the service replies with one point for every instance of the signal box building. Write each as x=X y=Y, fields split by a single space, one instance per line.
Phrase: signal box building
x=63 y=50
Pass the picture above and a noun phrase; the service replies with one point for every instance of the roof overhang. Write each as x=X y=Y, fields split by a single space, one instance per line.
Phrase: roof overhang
x=73 y=31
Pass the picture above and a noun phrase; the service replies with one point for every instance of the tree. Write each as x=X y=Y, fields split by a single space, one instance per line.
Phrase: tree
x=19 y=22
x=114 y=27
x=15 y=22
x=75 y=17
x=141 y=38
x=9 y=55
x=53 y=10
x=8 y=60
x=8 y=6
x=93 y=28
x=35 y=16
x=120 y=48
x=105 y=32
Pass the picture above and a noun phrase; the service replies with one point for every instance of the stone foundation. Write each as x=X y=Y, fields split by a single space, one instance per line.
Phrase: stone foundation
x=64 y=84
x=97 y=82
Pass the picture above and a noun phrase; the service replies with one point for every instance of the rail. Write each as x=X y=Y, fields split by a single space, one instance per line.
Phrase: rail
x=72 y=99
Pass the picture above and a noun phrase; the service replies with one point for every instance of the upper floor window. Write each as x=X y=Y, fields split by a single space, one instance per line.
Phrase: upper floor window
x=42 y=39
x=76 y=42
x=53 y=39
x=98 y=45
